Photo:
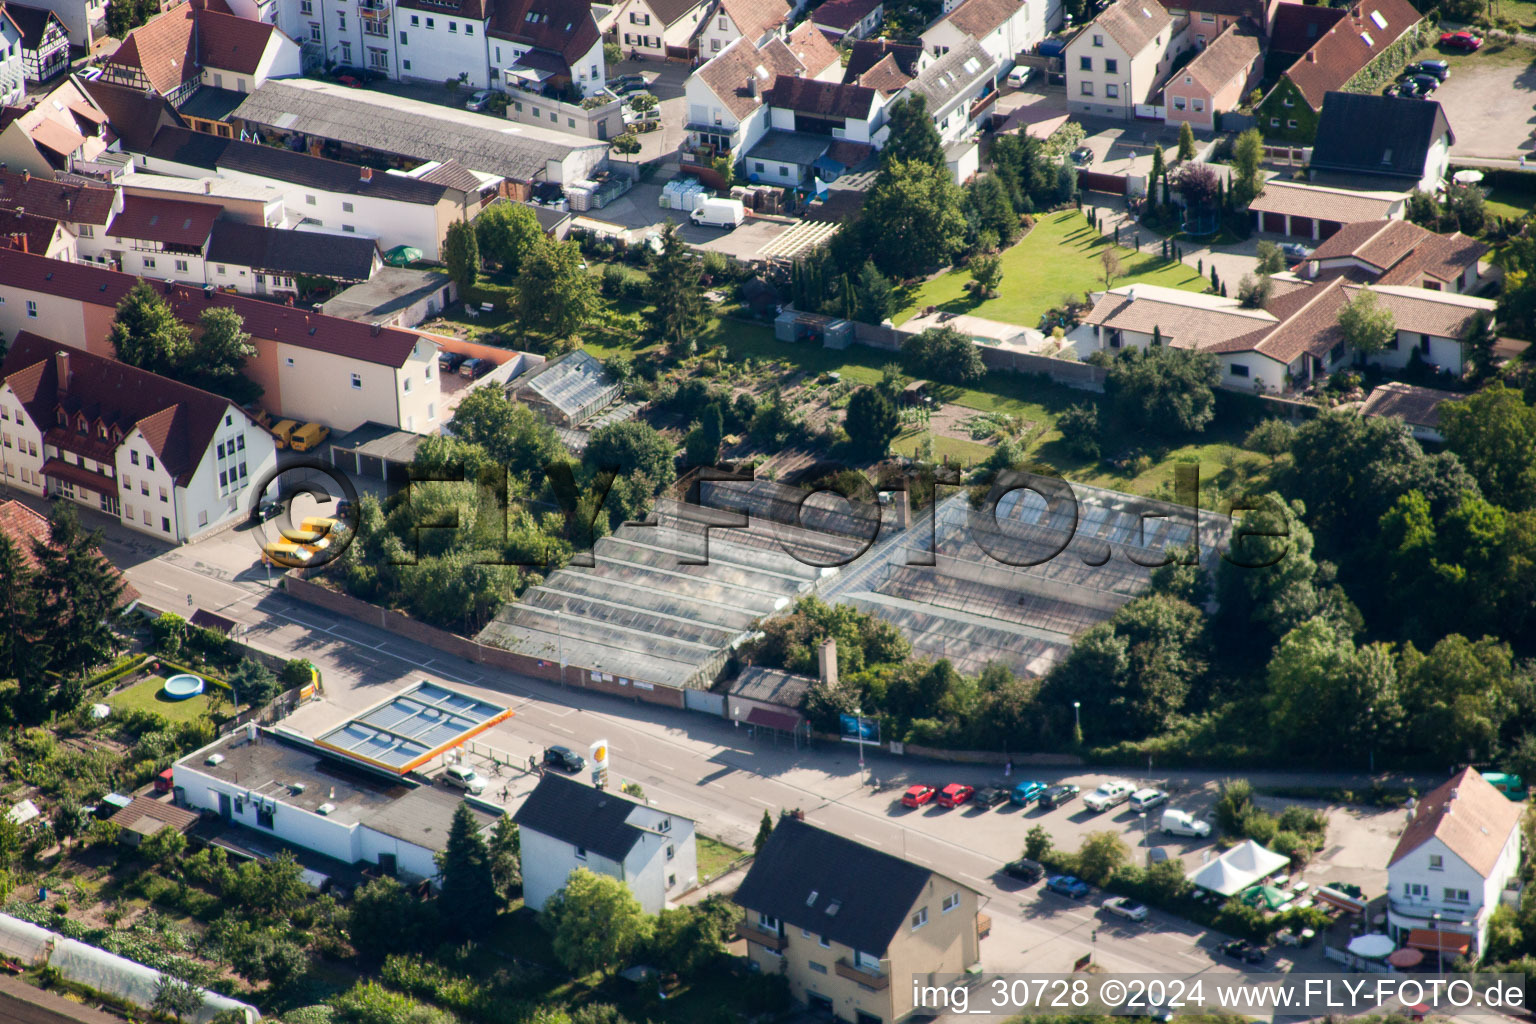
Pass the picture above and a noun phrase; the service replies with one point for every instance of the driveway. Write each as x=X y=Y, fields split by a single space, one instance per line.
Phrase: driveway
x=666 y=81
x=1488 y=101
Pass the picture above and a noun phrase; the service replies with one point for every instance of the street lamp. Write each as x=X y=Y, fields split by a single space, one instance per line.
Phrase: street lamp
x=1077 y=714
x=1439 y=947
x=1370 y=715
x=858 y=726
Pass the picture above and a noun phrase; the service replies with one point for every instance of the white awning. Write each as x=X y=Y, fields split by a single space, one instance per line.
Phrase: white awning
x=1238 y=868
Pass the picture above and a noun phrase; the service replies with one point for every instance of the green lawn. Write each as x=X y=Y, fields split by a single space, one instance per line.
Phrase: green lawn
x=959 y=449
x=1059 y=257
x=145 y=695
x=1510 y=202
x=715 y=857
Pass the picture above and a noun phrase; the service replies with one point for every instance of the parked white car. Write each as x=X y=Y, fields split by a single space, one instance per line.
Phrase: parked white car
x=461 y=776
x=1019 y=76
x=1182 y=823
x=1111 y=794
x=1146 y=799
x=1124 y=906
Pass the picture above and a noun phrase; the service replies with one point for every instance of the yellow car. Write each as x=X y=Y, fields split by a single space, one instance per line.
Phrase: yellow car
x=320 y=524
x=285 y=554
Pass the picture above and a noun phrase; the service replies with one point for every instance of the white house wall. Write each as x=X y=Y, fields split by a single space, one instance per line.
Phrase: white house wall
x=548 y=863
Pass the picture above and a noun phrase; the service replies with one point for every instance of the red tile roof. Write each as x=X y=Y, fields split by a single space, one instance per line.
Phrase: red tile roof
x=976 y=18
x=843 y=14
x=290 y=325
x=812 y=49
x=164 y=49
x=1416 y=406
x=565 y=27
x=1232 y=54
x=168 y=221
x=61 y=200
x=27 y=232
x=230 y=43
x=825 y=99
x=28 y=528
x=754 y=18
x=57 y=137
x=1299 y=25
x=1472 y=818
x=1349 y=45
x=178 y=421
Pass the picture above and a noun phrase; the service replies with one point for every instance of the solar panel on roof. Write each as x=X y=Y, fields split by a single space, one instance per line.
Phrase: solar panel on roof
x=413 y=726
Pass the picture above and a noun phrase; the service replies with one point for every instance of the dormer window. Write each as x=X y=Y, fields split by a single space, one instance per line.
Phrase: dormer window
x=82 y=426
x=62 y=418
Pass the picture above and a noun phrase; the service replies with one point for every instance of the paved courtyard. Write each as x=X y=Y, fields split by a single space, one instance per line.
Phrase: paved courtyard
x=1489 y=104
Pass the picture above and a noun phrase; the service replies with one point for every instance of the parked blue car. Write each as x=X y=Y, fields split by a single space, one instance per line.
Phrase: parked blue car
x=1026 y=793
x=1069 y=886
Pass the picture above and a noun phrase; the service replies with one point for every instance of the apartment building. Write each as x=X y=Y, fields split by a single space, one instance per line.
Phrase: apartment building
x=1004 y=28
x=850 y=926
x=162 y=457
x=1118 y=62
x=659 y=29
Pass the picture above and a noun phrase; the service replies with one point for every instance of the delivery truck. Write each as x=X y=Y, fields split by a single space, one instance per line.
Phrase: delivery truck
x=720 y=213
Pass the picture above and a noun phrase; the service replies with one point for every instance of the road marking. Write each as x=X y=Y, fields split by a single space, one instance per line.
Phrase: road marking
x=866 y=839
x=760 y=800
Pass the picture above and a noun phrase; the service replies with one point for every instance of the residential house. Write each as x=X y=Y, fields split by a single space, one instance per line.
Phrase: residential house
x=282 y=786
x=158 y=238
x=1216 y=81
x=848 y=19
x=1294 y=338
x=13 y=65
x=86 y=20
x=567 y=391
x=1360 y=52
x=882 y=65
x=1118 y=62
x=237 y=201
x=554 y=43
x=146 y=816
x=730 y=20
x=44 y=42
x=1208 y=19
x=1004 y=28
x=960 y=89
x=239 y=54
x=848 y=926
x=1381 y=142
x=818 y=57
x=831 y=109
x=28 y=529
x=28 y=232
x=1399 y=252
x=160 y=456
x=1294 y=28
x=134 y=115
x=402 y=131
x=82 y=210
x=565 y=825
x=1299 y=210
x=725 y=96
x=1452 y=865
x=1418 y=407
x=160 y=54
x=260 y=260
x=304 y=360
x=54 y=132
x=659 y=29
x=323 y=194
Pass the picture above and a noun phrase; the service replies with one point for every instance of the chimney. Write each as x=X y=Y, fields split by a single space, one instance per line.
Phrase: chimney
x=365 y=174
x=61 y=366
x=1311 y=57
x=752 y=86
x=26 y=176
x=208 y=187
x=373 y=330
x=826 y=662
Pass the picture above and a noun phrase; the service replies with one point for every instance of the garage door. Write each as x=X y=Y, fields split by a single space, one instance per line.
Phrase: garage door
x=1328 y=228
x=1274 y=222
x=370 y=466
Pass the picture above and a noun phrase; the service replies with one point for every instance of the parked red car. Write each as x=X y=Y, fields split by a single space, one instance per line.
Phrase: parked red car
x=1463 y=40
x=916 y=796
x=955 y=794
x=349 y=82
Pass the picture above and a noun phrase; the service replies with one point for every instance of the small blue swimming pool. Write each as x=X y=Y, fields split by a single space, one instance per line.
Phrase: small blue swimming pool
x=180 y=687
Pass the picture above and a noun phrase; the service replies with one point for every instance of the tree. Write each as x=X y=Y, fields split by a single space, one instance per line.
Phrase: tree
x=164 y=846
x=369 y=1002
x=1186 y=142
x=78 y=593
x=1247 y=156
x=461 y=252
x=21 y=657
x=596 y=921
x=512 y=435
x=555 y=296
x=467 y=902
x=1102 y=853
x=701 y=447
x=765 y=829
x=506 y=232
x=146 y=334
x=627 y=144
x=1037 y=843
x=987 y=274
x=630 y=448
x=990 y=210
x=872 y=422
x=506 y=850
x=873 y=297
x=1164 y=390
x=272 y=886
x=1271 y=259
x=176 y=998
x=1368 y=326
x=613 y=54
x=1494 y=434
x=1109 y=260
x=1200 y=186
x=912 y=221
x=687 y=939
x=676 y=315
x=253 y=683
x=943 y=354
x=1253 y=293
x=1079 y=427
x=386 y=918
x=1320 y=686
x=1159 y=172
x=912 y=136
x=218 y=359
x=1272 y=437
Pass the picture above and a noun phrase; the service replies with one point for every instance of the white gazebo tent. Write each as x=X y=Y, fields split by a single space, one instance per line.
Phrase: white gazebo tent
x=1238 y=868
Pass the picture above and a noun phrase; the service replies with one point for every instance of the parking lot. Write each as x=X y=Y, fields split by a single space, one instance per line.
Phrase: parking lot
x=1488 y=101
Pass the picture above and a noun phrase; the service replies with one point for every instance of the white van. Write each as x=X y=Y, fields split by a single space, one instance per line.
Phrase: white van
x=1182 y=823
x=1020 y=75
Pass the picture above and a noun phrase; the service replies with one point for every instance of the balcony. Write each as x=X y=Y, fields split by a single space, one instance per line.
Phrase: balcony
x=869 y=979
x=1451 y=914
x=373 y=8
x=761 y=936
